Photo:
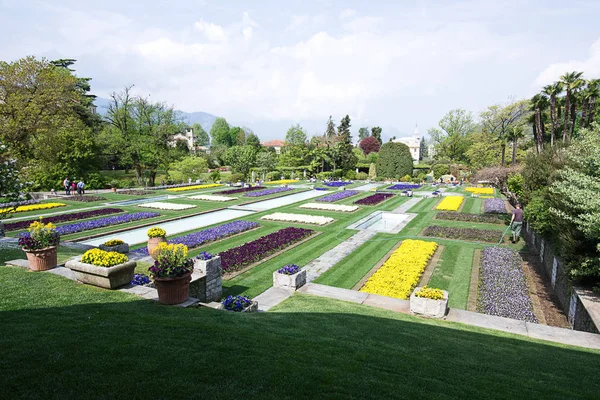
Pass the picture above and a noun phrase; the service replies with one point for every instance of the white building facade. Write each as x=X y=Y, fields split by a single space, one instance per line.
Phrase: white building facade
x=414 y=144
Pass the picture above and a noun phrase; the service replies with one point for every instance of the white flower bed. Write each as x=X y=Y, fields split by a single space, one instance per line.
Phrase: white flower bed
x=167 y=206
x=329 y=207
x=208 y=197
x=302 y=218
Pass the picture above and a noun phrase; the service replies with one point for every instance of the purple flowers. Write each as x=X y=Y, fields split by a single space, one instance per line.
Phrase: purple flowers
x=236 y=303
x=15 y=226
x=374 y=199
x=404 y=186
x=289 y=269
x=102 y=222
x=502 y=287
x=267 y=192
x=242 y=190
x=238 y=257
x=321 y=188
x=338 y=196
x=495 y=206
x=475 y=235
x=337 y=184
x=204 y=256
x=140 y=279
x=208 y=235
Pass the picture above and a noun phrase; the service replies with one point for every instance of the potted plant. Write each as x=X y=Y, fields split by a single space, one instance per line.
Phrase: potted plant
x=116 y=245
x=106 y=269
x=40 y=245
x=239 y=304
x=289 y=277
x=156 y=236
x=172 y=272
x=429 y=302
x=206 y=261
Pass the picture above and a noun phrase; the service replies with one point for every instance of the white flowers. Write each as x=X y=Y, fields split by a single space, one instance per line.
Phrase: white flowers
x=208 y=197
x=302 y=218
x=329 y=207
x=167 y=206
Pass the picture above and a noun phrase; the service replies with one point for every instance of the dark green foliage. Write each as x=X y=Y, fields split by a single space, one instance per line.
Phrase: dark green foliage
x=376 y=133
x=440 y=169
x=395 y=161
x=219 y=132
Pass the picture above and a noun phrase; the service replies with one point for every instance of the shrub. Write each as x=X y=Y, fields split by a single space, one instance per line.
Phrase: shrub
x=362 y=176
x=273 y=175
x=394 y=160
x=235 y=178
x=95 y=181
x=351 y=175
x=405 y=178
x=372 y=171
x=440 y=169
x=369 y=145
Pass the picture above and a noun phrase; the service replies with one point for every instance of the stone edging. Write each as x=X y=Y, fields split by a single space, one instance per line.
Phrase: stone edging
x=474 y=283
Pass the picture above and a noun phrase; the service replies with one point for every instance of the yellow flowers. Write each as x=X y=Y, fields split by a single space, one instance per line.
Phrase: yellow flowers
x=113 y=242
x=399 y=275
x=173 y=253
x=430 y=293
x=480 y=190
x=103 y=258
x=450 y=203
x=184 y=188
x=156 y=232
x=34 y=207
x=282 y=182
x=38 y=226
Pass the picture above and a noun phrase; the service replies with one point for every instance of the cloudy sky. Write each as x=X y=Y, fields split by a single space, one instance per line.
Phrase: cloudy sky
x=267 y=64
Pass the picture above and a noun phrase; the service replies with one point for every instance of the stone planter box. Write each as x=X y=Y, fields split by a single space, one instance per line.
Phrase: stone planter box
x=428 y=307
x=120 y=248
x=289 y=282
x=108 y=278
x=208 y=267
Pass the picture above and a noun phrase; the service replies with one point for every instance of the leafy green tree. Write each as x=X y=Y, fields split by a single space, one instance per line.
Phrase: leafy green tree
x=189 y=167
x=252 y=140
x=484 y=151
x=219 y=132
x=572 y=83
x=293 y=156
x=330 y=130
x=12 y=186
x=376 y=133
x=363 y=133
x=200 y=134
x=344 y=127
x=394 y=160
x=238 y=136
x=241 y=159
x=451 y=138
x=266 y=160
x=295 y=136
x=499 y=120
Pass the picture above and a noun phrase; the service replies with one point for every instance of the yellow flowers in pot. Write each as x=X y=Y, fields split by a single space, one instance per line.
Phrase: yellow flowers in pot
x=156 y=232
x=103 y=258
x=430 y=293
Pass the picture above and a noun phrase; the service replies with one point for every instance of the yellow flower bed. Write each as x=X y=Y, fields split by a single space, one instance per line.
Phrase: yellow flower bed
x=480 y=190
x=34 y=207
x=113 y=242
x=486 y=197
x=430 y=293
x=282 y=182
x=399 y=275
x=182 y=189
x=103 y=258
x=450 y=203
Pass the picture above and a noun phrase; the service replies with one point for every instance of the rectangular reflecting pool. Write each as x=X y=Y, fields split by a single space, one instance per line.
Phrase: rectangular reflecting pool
x=281 y=201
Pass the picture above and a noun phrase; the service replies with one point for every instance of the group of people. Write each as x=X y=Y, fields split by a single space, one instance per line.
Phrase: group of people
x=72 y=187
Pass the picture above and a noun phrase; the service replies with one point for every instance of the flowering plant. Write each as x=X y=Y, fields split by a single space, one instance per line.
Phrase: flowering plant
x=205 y=255
x=476 y=190
x=338 y=196
x=236 y=303
x=106 y=221
x=430 y=293
x=113 y=242
x=267 y=192
x=103 y=258
x=450 y=203
x=289 y=269
x=31 y=207
x=156 y=232
x=374 y=199
x=140 y=279
x=15 y=226
x=39 y=236
x=171 y=261
x=282 y=182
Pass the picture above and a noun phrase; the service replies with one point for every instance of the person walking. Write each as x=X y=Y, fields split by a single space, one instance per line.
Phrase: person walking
x=516 y=223
x=80 y=186
x=73 y=186
x=67 y=186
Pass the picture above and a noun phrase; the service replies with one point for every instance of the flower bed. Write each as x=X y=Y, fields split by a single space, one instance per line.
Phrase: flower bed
x=282 y=182
x=502 y=287
x=466 y=217
x=471 y=234
x=195 y=187
x=102 y=222
x=103 y=258
x=19 y=203
x=450 y=203
x=337 y=184
x=15 y=226
x=321 y=188
x=401 y=273
x=374 y=199
x=83 y=199
x=241 y=190
x=267 y=192
x=238 y=257
x=495 y=206
x=208 y=197
x=207 y=235
x=302 y=218
x=166 y=206
x=475 y=190
x=329 y=207
x=134 y=192
x=338 y=196
x=404 y=186
x=32 y=207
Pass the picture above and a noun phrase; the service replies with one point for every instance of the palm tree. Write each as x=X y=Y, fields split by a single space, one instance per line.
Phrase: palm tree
x=514 y=134
x=589 y=95
x=539 y=103
x=553 y=91
x=572 y=82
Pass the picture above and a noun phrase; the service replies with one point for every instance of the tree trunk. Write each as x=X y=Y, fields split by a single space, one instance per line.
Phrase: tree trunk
x=503 y=153
x=152 y=178
x=552 y=119
x=567 y=120
x=539 y=132
x=584 y=108
x=573 y=118
x=138 y=173
x=591 y=113
x=514 y=152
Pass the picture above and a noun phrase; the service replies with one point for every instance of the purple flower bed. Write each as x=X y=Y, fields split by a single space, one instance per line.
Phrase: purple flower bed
x=337 y=184
x=495 y=206
x=207 y=235
x=242 y=190
x=480 y=218
x=471 y=234
x=102 y=222
x=338 y=196
x=176 y=185
x=374 y=199
x=502 y=288
x=80 y=198
x=321 y=188
x=238 y=257
x=404 y=186
x=267 y=192
x=15 y=226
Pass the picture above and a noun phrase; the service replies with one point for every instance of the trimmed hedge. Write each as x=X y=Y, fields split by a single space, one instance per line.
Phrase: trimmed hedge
x=395 y=161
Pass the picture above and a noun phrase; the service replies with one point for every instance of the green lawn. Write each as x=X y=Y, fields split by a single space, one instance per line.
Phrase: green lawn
x=64 y=340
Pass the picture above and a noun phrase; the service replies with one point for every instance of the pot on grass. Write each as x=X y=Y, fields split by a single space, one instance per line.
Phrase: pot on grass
x=42 y=259
x=289 y=282
x=173 y=290
x=429 y=308
x=104 y=277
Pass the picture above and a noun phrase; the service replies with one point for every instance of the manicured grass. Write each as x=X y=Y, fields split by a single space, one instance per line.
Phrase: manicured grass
x=454 y=273
x=70 y=341
x=14 y=252
x=472 y=205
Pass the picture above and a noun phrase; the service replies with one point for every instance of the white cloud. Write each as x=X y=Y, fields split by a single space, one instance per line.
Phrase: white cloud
x=589 y=66
x=347 y=13
x=213 y=32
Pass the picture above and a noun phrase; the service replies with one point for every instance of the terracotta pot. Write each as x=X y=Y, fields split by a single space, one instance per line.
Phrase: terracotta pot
x=173 y=290
x=153 y=243
x=42 y=259
x=114 y=190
